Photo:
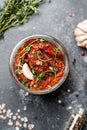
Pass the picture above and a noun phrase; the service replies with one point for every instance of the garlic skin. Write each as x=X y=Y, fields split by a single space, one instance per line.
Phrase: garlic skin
x=80 y=33
x=27 y=72
x=83 y=26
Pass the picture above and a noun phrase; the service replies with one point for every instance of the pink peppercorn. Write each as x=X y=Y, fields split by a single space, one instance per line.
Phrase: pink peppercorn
x=70 y=14
x=82 y=53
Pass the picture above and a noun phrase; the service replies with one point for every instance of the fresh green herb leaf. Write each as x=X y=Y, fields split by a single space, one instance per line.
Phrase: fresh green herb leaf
x=16 y=12
x=37 y=79
x=33 y=71
x=55 y=70
x=18 y=71
x=27 y=49
x=25 y=83
x=19 y=66
x=54 y=58
x=41 y=39
x=57 y=50
x=42 y=75
x=38 y=52
x=21 y=59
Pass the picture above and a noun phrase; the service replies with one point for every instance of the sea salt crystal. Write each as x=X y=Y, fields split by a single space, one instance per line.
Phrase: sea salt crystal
x=16 y=128
x=59 y=101
x=14 y=117
x=1 y=116
x=4 y=118
x=22 y=119
x=18 y=110
x=68 y=90
x=17 y=123
x=25 y=108
x=1 y=112
x=25 y=125
x=30 y=126
x=20 y=125
x=3 y=106
x=25 y=119
x=26 y=94
x=19 y=117
x=4 y=111
x=10 y=123
x=69 y=108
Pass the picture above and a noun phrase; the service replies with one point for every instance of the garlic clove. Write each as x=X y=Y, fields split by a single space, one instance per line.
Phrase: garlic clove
x=83 y=26
x=79 y=44
x=27 y=72
x=84 y=43
x=78 y=32
x=81 y=38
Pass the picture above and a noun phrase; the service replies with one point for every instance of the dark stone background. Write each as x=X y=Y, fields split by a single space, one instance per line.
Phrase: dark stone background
x=44 y=111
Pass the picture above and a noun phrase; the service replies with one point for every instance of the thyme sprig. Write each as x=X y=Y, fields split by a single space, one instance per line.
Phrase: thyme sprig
x=16 y=12
x=43 y=73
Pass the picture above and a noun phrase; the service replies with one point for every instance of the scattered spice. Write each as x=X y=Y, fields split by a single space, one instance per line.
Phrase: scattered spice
x=19 y=117
x=25 y=108
x=16 y=113
x=22 y=119
x=4 y=118
x=68 y=90
x=25 y=119
x=4 y=111
x=82 y=53
x=10 y=123
x=18 y=110
x=69 y=108
x=30 y=126
x=59 y=101
x=26 y=94
x=70 y=14
x=1 y=112
x=17 y=128
x=15 y=119
x=17 y=123
x=25 y=125
x=76 y=121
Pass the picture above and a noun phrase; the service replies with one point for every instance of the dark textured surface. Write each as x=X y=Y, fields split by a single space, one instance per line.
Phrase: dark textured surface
x=44 y=111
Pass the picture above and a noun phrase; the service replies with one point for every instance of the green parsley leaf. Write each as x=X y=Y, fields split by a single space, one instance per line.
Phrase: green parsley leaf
x=55 y=70
x=21 y=59
x=38 y=52
x=27 y=49
x=19 y=66
x=18 y=71
x=41 y=39
x=25 y=83
x=33 y=71
x=57 y=50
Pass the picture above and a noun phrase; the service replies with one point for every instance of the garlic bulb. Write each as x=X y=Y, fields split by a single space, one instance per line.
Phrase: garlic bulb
x=81 y=34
